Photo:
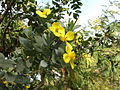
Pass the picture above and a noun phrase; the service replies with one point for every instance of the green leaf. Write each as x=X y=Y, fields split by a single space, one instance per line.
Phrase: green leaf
x=2 y=57
x=89 y=39
x=2 y=74
x=32 y=1
x=39 y=40
x=10 y=77
x=37 y=47
x=28 y=63
x=28 y=32
x=53 y=57
x=75 y=15
x=5 y=63
x=98 y=35
x=78 y=11
x=117 y=58
x=43 y=63
x=76 y=27
x=79 y=3
x=59 y=51
x=20 y=65
x=25 y=42
x=75 y=6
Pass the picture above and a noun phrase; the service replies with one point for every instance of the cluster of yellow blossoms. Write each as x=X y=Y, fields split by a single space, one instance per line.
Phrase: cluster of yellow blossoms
x=7 y=83
x=59 y=31
x=78 y=39
x=13 y=83
x=90 y=61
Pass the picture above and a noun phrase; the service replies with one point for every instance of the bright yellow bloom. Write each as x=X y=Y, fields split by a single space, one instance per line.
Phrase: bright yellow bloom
x=47 y=11
x=6 y=83
x=69 y=56
x=57 y=29
x=27 y=86
x=41 y=14
x=68 y=37
x=44 y=14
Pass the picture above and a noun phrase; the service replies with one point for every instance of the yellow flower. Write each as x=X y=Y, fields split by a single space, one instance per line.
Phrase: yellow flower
x=44 y=14
x=6 y=83
x=12 y=83
x=27 y=87
x=69 y=56
x=47 y=11
x=68 y=37
x=57 y=29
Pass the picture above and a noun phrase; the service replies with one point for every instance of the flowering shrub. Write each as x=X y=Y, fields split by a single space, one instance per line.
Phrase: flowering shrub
x=51 y=55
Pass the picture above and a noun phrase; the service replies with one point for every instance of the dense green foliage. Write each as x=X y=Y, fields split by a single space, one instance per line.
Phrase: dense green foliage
x=32 y=54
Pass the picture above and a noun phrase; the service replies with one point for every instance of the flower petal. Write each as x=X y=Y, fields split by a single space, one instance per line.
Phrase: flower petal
x=66 y=58
x=69 y=35
x=41 y=14
x=68 y=47
x=62 y=31
x=47 y=11
x=72 y=55
x=56 y=24
x=57 y=34
x=72 y=64
x=51 y=28
x=62 y=38
x=38 y=12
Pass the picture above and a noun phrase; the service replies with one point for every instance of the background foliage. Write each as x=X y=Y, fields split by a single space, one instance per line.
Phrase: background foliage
x=31 y=56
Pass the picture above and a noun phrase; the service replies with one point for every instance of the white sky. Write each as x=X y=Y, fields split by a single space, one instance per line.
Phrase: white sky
x=91 y=9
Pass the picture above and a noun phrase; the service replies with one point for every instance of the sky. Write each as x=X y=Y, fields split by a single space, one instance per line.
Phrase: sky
x=91 y=9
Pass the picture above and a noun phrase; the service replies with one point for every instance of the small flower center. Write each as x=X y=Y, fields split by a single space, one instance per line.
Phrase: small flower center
x=57 y=30
x=72 y=56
